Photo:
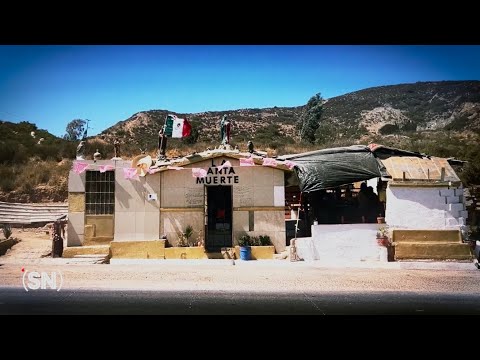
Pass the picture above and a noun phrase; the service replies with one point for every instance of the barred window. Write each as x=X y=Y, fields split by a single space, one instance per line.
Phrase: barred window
x=100 y=193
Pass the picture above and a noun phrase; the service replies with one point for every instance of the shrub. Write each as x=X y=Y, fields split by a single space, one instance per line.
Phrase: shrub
x=184 y=239
x=265 y=240
x=244 y=240
x=7 y=230
x=247 y=240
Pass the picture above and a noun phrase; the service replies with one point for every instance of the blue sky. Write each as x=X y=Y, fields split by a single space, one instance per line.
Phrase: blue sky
x=52 y=85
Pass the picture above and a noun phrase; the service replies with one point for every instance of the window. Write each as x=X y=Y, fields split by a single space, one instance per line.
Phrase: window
x=100 y=193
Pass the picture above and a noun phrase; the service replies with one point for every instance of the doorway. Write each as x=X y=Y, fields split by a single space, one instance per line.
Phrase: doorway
x=218 y=222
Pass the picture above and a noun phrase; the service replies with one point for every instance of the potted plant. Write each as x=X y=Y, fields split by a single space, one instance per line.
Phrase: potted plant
x=382 y=236
x=245 y=241
x=254 y=247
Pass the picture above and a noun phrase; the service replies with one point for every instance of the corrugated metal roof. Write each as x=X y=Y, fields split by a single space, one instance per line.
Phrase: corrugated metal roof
x=419 y=169
x=20 y=213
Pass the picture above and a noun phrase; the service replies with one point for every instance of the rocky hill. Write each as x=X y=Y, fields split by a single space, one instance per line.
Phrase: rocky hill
x=395 y=109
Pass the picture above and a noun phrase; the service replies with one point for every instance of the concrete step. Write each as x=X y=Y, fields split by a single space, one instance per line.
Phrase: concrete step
x=438 y=250
x=449 y=236
x=97 y=250
x=98 y=240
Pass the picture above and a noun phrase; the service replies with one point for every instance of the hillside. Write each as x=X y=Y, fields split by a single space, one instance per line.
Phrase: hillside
x=395 y=109
x=438 y=118
x=34 y=164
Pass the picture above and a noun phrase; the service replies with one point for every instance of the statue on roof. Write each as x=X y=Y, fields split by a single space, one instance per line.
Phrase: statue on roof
x=116 y=148
x=162 y=144
x=81 y=150
x=250 y=146
x=225 y=127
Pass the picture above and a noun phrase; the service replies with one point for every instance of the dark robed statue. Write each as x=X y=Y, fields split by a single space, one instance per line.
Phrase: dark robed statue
x=57 y=240
x=225 y=127
x=162 y=144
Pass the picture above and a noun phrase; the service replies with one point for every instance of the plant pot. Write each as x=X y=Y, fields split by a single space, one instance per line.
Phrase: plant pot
x=383 y=241
x=245 y=252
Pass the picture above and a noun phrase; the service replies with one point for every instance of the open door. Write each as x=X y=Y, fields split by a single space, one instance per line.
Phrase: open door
x=218 y=217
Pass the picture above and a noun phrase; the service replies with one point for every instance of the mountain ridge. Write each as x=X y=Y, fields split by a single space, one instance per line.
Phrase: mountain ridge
x=437 y=118
x=389 y=109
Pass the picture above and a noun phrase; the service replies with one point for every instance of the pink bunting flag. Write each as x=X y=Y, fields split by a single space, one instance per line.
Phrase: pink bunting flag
x=290 y=164
x=104 y=168
x=226 y=164
x=129 y=173
x=269 y=162
x=153 y=171
x=174 y=168
x=199 y=173
x=247 y=162
x=79 y=167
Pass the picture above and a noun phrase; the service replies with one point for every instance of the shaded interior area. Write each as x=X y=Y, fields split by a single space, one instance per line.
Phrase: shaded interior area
x=358 y=202
x=219 y=217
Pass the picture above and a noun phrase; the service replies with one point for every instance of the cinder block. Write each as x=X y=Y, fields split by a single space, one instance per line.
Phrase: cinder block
x=459 y=192
x=76 y=182
x=455 y=207
x=74 y=239
x=464 y=214
x=76 y=222
x=451 y=221
x=454 y=214
x=447 y=192
x=453 y=199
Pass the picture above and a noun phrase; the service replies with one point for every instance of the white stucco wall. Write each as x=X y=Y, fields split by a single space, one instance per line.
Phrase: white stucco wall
x=425 y=208
x=343 y=242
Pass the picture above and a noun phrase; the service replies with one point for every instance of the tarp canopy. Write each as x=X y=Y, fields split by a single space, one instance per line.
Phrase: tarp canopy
x=327 y=168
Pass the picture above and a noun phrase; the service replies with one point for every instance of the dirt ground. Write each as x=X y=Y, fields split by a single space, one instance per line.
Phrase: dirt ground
x=267 y=275
x=34 y=244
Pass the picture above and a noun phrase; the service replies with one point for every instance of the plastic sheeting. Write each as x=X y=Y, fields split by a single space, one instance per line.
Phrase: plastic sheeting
x=328 y=168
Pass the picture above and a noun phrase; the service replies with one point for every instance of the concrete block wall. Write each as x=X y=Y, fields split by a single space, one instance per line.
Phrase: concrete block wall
x=76 y=209
x=425 y=207
x=136 y=217
x=172 y=224
x=257 y=187
x=271 y=223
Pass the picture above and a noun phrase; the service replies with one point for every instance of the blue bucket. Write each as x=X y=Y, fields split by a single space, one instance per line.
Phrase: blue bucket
x=245 y=252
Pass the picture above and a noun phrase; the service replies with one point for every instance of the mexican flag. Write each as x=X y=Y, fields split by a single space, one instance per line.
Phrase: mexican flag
x=176 y=127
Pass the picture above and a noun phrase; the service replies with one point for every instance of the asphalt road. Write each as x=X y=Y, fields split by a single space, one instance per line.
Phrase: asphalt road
x=14 y=300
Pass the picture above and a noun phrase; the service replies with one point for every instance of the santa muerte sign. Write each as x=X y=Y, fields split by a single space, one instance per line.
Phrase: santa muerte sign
x=219 y=175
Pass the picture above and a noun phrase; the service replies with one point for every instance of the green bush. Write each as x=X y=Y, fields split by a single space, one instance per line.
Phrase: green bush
x=244 y=240
x=265 y=240
x=247 y=240
x=7 y=230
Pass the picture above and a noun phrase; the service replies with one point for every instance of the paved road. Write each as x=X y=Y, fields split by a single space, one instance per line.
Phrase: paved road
x=18 y=301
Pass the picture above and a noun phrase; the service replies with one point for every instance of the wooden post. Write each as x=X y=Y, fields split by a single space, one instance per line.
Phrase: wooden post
x=403 y=176
x=442 y=174
x=428 y=174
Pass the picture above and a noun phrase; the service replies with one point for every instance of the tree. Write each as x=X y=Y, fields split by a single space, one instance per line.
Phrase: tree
x=310 y=119
x=76 y=130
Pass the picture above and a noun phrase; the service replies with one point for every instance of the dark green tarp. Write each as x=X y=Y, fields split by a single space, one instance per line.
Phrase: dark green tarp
x=327 y=168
